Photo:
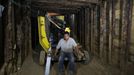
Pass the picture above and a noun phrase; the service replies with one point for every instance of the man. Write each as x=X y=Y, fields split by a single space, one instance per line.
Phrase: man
x=67 y=46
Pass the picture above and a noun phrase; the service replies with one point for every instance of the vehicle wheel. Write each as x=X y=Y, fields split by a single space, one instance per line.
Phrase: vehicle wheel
x=87 y=58
x=42 y=57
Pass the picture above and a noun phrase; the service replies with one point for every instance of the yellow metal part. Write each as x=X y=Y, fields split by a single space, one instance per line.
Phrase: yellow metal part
x=67 y=29
x=61 y=17
x=43 y=40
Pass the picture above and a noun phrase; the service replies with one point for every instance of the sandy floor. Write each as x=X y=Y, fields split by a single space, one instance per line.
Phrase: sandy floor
x=31 y=67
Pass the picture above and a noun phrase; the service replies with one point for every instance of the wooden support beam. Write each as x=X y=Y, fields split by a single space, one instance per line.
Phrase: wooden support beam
x=87 y=23
x=68 y=2
x=92 y=30
x=85 y=1
x=102 y=31
x=131 y=51
x=111 y=17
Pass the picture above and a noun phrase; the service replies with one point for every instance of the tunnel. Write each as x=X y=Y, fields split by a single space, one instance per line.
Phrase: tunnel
x=103 y=28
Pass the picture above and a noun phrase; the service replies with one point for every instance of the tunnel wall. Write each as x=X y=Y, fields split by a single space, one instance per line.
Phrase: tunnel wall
x=132 y=37
x=17 y=35
x=106 y=31
x=114 y=34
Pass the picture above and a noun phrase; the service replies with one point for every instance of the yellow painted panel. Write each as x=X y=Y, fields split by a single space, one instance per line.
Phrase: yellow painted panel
x=60 y=17
x=43 y=40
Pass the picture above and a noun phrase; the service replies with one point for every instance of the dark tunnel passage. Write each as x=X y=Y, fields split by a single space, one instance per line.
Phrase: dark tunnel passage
x=73 y=20
x=103 y=28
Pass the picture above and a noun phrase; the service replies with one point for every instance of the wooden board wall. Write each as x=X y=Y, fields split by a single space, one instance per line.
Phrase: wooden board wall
x=17 y=35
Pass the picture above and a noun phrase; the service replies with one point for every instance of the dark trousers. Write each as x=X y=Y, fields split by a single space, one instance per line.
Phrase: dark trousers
x=71 y=64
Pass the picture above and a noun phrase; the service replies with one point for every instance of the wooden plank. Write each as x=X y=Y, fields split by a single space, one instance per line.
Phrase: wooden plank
x=129 y=26
x=56 y=5
x=89 y=29
x=125 y=31
x=110 y=30
x=102 y=31
x=75 y=2
x=107 y=30
x=92 y=30
x=115 y=33
x=98 y=29
x=87 y=23
x=80 y=27
x=131 y=51
x=8 y=37
x=10 y=40
x=85 y=1
x=104 y=55
x=95 y=28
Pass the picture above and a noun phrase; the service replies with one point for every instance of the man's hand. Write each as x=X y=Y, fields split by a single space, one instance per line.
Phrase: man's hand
x=56 y=51
x=79 y=54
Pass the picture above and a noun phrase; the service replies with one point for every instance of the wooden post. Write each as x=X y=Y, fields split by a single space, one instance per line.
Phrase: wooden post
x=115 y=33
x=92 y=30
x=131 y=51
x=110 y=30
x=87 y=28
x=102 y=30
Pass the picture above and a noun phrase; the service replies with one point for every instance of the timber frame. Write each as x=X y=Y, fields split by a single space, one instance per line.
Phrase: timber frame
x=104 y=29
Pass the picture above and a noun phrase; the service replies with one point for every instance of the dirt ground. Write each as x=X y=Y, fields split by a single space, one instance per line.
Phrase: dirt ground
x=31 y=67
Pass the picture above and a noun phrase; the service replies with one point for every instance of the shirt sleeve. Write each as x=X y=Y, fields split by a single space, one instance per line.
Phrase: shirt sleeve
x=59 y=44
x=74 y=43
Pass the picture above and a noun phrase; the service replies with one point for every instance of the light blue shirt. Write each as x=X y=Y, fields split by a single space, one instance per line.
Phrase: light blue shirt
x=66 y=46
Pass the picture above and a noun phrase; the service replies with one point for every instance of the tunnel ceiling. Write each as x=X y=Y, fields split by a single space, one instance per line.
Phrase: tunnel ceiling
x=68 y=1
x=64 y=6
x=63 y=3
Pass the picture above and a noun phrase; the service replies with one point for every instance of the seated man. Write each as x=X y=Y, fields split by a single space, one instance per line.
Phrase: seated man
x=67 y=46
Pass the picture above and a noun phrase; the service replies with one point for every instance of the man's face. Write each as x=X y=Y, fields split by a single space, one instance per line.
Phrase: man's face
x=66 y=36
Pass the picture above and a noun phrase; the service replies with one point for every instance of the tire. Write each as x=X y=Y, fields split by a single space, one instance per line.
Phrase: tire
x=87 y=58
x=42 y=57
